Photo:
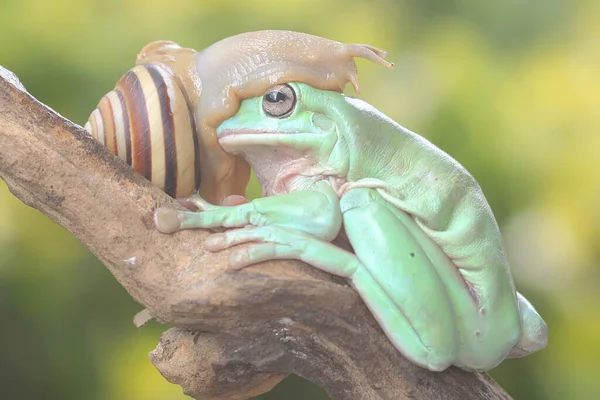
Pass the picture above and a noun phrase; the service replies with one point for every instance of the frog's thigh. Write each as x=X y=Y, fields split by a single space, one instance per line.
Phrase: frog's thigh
x=486 y=335
x=393 y=257
x=274 y=242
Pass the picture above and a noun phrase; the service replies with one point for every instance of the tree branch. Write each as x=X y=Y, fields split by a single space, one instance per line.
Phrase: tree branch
x=238 y=333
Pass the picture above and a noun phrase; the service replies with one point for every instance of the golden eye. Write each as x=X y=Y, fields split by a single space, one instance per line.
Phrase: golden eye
x=279 y=101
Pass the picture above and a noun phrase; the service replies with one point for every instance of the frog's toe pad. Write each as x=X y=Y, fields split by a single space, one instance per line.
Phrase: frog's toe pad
x=239 y=259
x=167 y=220
x=216 y=242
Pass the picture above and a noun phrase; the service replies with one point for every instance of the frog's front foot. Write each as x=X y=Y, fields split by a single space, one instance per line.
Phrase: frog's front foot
x=275 y=242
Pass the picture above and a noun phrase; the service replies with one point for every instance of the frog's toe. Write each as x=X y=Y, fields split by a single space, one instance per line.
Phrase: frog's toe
x=250 y=233
x=167 y=220
x=257 y=253
x=234 y=200
x=190 y=205
x=265 y=243
x=195 y=202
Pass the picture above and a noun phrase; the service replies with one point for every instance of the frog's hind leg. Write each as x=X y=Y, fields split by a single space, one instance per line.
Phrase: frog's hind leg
x=275 y=242
x=396 y=261
x=486 y=334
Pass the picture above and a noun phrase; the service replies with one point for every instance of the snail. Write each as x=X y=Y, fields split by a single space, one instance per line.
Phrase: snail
x=162 y=115
x=147 y=120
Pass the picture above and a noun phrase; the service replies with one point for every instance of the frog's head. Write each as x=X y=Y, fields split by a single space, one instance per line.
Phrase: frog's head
x=293 y=129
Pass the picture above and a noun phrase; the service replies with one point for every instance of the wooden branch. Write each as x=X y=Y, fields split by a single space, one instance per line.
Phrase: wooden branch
x=237 y=333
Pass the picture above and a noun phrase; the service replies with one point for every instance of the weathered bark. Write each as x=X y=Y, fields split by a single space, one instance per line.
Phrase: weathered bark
x=237 y=333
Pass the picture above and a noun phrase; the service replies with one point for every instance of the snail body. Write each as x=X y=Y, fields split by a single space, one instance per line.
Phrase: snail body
x=162 y=116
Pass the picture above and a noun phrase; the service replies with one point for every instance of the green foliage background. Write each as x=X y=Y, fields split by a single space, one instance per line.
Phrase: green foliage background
x=509 y=88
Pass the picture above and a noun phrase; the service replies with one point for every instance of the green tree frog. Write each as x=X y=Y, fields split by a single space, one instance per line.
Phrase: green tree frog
x=428 y=258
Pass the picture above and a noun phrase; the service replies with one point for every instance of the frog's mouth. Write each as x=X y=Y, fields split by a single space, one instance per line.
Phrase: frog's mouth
x=233 y=139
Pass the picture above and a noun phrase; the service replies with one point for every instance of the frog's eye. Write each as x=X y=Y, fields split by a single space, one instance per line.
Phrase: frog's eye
x=279 y=101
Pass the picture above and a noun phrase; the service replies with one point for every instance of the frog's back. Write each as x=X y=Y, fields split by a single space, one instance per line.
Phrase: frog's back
x=436 y=191
x=425 y=182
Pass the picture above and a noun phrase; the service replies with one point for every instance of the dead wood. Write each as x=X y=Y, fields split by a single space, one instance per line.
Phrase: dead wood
x=236 y=334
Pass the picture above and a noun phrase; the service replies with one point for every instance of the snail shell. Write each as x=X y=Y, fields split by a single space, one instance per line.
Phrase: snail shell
x=171 y=104
x=147 y=122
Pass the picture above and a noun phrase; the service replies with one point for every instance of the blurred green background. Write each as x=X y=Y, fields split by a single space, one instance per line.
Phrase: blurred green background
x=509 y=88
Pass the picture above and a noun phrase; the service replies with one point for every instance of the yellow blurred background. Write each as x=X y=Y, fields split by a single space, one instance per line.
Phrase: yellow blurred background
x=508 y=88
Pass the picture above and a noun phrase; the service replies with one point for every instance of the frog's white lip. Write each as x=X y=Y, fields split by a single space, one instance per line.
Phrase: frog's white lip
x=230 y=132
x=234 y=138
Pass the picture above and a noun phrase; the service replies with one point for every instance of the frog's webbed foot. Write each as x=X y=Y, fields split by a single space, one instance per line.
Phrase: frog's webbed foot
x=273 y=242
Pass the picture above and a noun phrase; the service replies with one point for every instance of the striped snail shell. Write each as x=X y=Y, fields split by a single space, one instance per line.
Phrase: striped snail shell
x=147 y=122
